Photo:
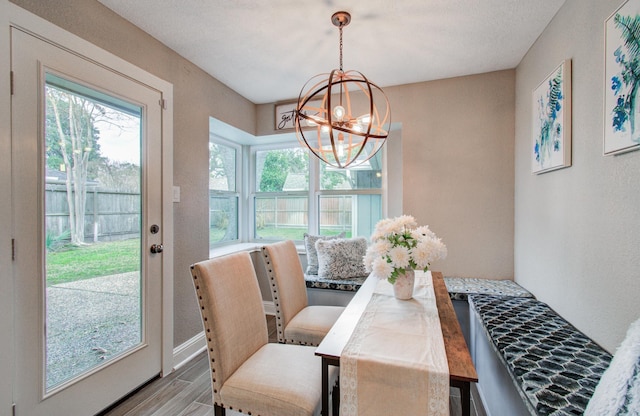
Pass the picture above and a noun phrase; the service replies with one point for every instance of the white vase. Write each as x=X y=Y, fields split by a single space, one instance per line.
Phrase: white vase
x=403 y=287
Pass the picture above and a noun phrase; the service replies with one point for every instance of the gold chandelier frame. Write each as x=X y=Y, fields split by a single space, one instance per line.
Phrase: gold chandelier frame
x=337 y=117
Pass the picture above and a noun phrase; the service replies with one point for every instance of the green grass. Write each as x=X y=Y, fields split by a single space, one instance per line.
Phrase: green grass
x=73 y=263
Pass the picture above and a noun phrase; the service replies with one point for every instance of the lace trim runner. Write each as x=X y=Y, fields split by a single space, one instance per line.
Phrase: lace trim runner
x=395 y=361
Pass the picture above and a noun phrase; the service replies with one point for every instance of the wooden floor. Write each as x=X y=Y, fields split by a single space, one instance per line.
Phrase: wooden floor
x=187 y=391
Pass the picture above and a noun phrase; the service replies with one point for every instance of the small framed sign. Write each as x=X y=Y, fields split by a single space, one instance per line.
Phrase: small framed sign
x=285 y=114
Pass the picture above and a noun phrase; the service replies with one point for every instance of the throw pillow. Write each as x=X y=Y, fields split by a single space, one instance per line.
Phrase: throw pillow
x=341 y=258
x=312 y=254
x=618 y=391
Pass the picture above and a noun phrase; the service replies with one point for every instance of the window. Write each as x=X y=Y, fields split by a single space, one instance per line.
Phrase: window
x=281 y=202
x=224 y=164
x=295 y=194
x=350 y=200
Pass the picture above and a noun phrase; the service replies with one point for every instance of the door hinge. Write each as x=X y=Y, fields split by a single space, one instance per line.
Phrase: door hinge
x=13 y=249
x=13 y=409
x=163 y=103
x=11 y=82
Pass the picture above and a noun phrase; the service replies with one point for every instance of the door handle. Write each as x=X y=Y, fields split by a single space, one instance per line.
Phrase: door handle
x=157 y=248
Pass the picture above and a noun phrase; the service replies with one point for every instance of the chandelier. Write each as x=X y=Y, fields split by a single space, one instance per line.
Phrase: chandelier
x=338 y=116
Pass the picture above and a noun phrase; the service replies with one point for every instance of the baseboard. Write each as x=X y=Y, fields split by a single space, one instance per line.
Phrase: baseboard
x=476 y=396
x=269 y=307
x=185 y=352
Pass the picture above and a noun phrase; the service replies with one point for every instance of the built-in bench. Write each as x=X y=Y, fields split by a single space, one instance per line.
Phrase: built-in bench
x=337 y=292
x=460 y=288
x=530 y=360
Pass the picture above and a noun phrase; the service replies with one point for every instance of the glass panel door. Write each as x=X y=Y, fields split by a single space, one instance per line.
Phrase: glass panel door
x=92 y=205
x=87 y=202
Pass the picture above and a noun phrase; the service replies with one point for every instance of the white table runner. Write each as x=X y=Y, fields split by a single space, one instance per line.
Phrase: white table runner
x=395 y=361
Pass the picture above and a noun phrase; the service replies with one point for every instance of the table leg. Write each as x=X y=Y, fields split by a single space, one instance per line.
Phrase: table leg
x=465 y=395
x=325 y=387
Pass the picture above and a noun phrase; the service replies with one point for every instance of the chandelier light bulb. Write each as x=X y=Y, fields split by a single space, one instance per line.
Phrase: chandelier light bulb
x=339 y=112
x=365 y=119
x=340 y=145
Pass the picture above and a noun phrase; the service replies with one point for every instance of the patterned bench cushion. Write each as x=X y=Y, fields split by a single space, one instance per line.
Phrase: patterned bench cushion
x=349 y=285
x=460 y=287
x=554 y=366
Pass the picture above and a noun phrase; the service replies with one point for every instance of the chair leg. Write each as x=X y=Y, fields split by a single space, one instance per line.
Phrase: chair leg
x=219 y=410
x=335 y=399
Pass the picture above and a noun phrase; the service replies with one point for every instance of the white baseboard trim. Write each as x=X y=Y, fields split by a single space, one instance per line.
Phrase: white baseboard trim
x=185 y=352
x=269 y=307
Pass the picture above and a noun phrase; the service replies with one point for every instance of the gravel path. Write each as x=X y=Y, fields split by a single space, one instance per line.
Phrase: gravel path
x=89 y=322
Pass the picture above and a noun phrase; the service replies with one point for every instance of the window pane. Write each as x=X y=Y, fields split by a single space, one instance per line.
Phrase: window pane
x=282 y=217
x=282 y=170
x=356 y=215
x=223 y=218
x=222 y=167
x=365 y=176
x=92 y=216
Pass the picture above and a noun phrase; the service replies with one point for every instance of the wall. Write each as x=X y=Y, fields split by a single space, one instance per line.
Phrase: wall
x=577 y=236
x=456 y=168
x=457 y=153
x=197 y=96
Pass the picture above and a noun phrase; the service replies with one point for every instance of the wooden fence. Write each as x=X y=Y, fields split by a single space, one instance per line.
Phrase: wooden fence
x=287 y=211
x=109 y=215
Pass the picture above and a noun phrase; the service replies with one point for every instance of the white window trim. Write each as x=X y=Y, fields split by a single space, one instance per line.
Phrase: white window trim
x=314 y=193
x=253 y=150
x=238 y=193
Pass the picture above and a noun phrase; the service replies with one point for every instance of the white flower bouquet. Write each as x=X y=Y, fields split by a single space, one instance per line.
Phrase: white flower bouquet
x=398 y=245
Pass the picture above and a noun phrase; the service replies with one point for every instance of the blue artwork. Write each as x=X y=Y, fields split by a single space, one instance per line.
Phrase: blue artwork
x=622 y=79
x=551 y=121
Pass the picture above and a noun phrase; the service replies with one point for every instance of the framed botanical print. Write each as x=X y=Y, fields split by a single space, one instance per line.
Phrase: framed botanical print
x=551 y=127
x=622 y=79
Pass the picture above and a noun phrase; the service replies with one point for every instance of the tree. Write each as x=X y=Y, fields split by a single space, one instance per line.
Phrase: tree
x=222 y=164
x=71 y=140
x=117 y=176
x=629 y=75
x=331 y=179
x=279 y=164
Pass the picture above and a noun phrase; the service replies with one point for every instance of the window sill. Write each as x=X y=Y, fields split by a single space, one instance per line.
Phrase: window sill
x=233 y=248
x=236 y=248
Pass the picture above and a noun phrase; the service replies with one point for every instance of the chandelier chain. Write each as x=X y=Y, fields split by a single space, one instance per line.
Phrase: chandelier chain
x=340 y=28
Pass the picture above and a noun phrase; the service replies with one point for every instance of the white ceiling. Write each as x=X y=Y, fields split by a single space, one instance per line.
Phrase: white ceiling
x=267 y=50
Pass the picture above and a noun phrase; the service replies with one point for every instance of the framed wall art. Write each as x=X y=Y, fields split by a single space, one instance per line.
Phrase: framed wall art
x=622 y=79
x=285 y=114
x=551 y=127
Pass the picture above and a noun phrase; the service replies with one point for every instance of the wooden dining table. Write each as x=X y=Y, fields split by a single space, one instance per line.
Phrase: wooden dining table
x=461 y=369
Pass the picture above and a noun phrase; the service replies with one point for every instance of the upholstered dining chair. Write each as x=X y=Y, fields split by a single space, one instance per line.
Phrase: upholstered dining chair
x=296 y=321
x=249 y=374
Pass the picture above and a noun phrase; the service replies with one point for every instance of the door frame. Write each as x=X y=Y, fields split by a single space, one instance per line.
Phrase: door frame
x=6 y=276
x=14 y=16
